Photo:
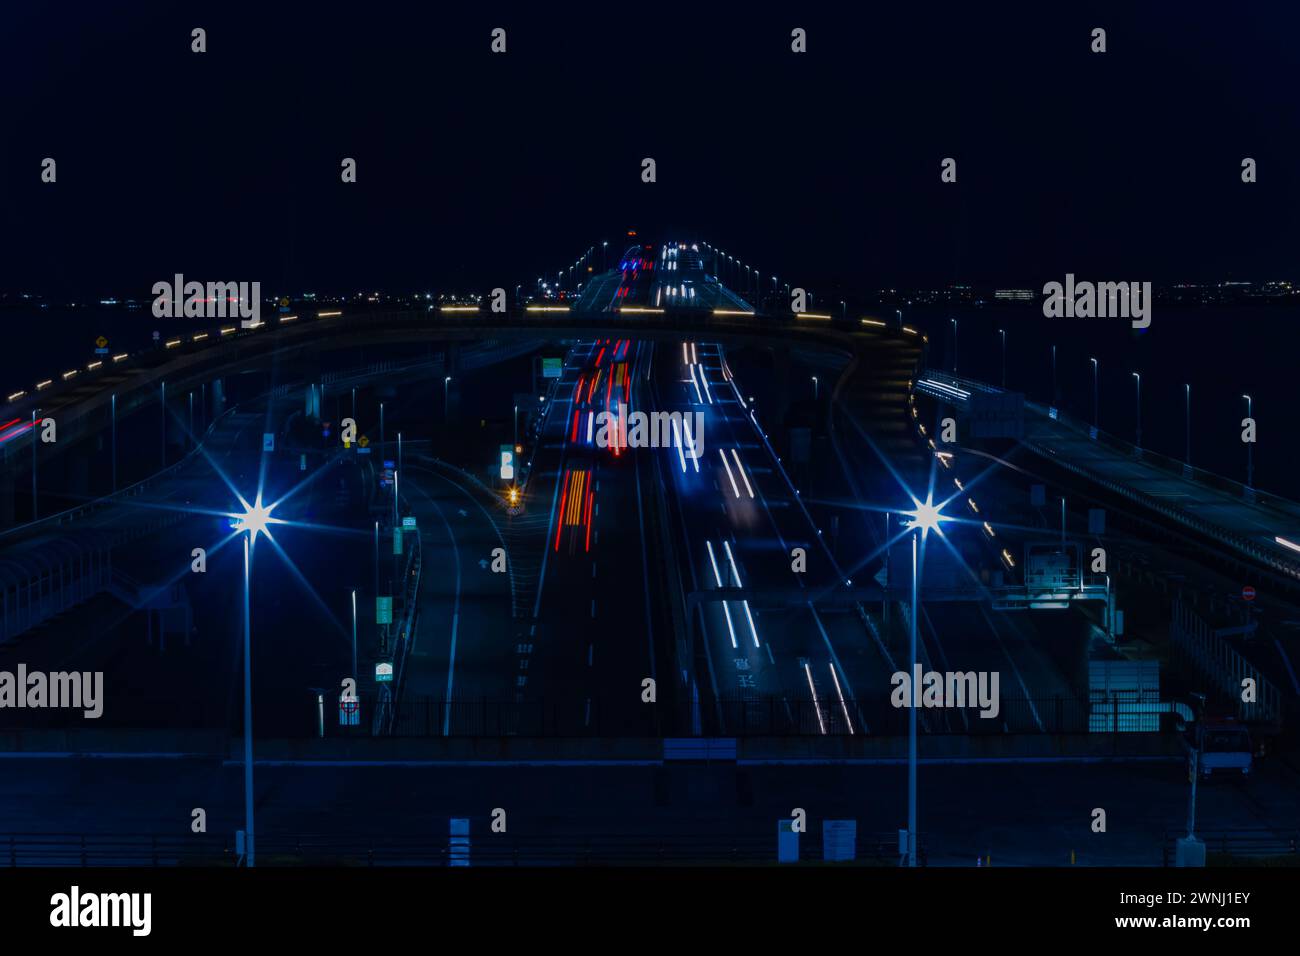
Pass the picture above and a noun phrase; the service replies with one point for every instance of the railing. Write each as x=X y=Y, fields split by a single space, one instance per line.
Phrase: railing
x=480 y=848
x=767 y=716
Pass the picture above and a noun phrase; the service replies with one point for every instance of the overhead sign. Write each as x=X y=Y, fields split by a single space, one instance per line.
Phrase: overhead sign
x=552 y=367
x=408 y=523
x=383 y=610
x=384 y=672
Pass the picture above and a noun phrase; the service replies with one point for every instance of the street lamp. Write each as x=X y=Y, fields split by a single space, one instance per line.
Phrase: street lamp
x=1250 y=447
x=1053 y=376
x=446 y=409
x=924 y=517
x=253 y=520
x=1137 y=381
x=814 y=381
x=1094 y=392
x=1003 y=333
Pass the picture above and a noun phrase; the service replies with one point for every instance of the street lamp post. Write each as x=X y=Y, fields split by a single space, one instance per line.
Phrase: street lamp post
x=1187 y=457
x=911 y=721
x=163 y=403
x=113 y=435
x=925 y=517
x=1137 y=380
x=1250 y=447
x=35 y=441
x=1053 y=376
x=1095 y=422
x=954 y=345
x=354 y=633
x=1003 y=333
x=446 y=402
x=249 y=858
x=814 y=381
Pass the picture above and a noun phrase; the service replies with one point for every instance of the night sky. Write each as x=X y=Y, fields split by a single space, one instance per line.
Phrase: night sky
x=478 y=170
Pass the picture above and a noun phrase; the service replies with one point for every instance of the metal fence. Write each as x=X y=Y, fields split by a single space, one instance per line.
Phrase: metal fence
x=481 y=848
x=758 y=716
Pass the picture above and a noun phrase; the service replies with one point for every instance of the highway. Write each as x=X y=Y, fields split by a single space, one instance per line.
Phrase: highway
x=572 y=599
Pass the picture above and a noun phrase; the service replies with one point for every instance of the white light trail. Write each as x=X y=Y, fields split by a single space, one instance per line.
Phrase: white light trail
x=727 y=465
x=816 y=706
x=740 y=468
x=843 y=705
x=677 y=435
x=753 y=631
x=694 y=381
x=718 y=580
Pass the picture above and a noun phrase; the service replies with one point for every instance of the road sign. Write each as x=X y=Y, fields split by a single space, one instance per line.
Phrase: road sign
x=383 y=610
x=349 y=711
x=101 y=342
x=268 y=441
x=1248 y=593
x=507 y=462
x=552 y=367
x=408 y=523
x=384 y=672
x=397 y=541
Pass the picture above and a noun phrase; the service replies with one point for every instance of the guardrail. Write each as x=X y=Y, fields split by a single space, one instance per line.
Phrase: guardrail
x=1245 y=545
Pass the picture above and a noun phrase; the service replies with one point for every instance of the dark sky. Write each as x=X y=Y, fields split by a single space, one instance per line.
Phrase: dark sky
x=478 y=170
